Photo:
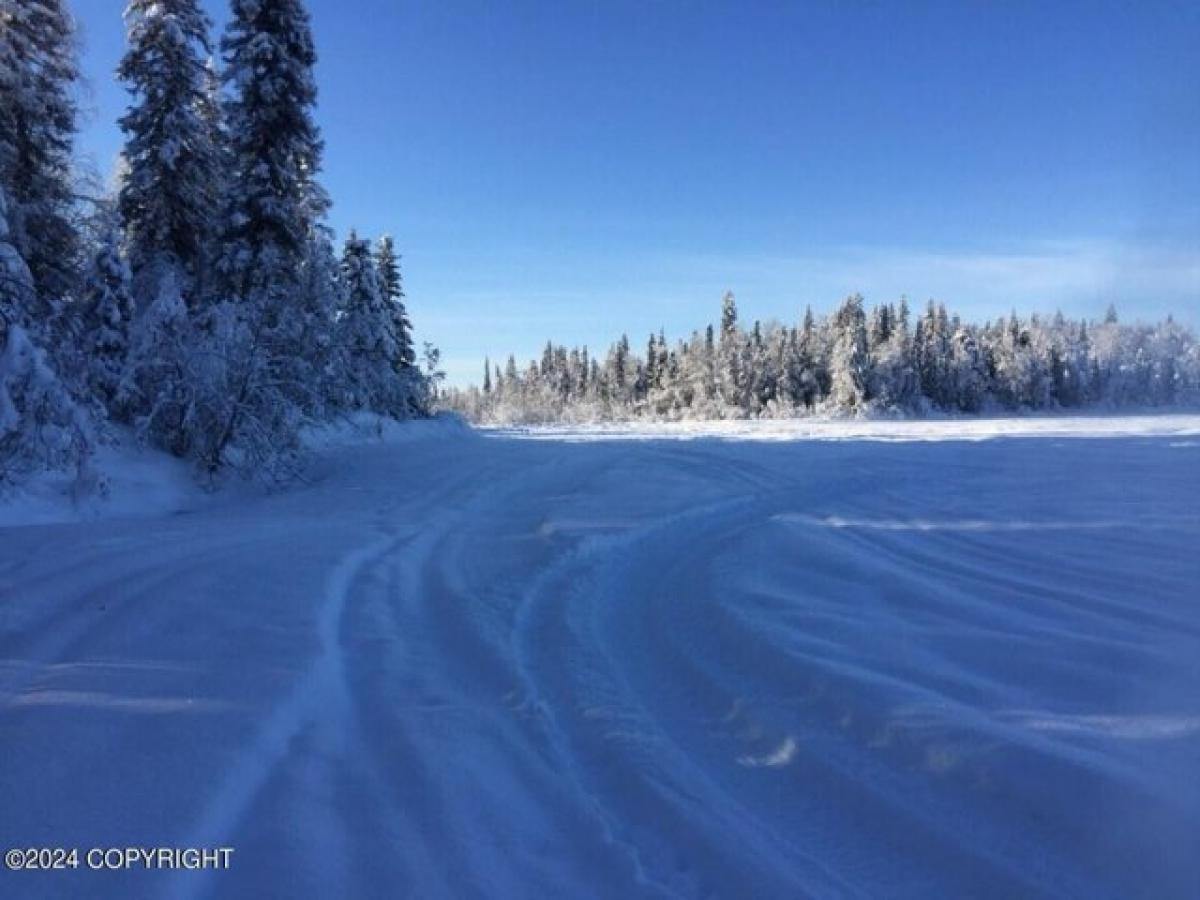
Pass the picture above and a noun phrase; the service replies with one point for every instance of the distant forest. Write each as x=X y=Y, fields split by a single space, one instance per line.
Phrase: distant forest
x=882 y=360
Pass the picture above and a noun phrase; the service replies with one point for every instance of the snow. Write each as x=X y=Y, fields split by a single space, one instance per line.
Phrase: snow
x=139 y=483
x=363 y=427
x=969 y=428
x=849 y=658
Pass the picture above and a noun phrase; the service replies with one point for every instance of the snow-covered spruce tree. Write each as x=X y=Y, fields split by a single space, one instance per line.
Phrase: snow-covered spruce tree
x=277 y=249
x=275 y=150
x=16 y=281
x=370 y=380
x=968 y=380
x=160 y=387
x=324 y=295
x=388 y=264
x=769 y=384
x=266 y=329
x=102 y=324
x=41 y=425
x=705 y=363
x=206 y=281
x=931 y=352
x=730 y=381
x=850 y=364
x=1022 y=365
x=808 y=376
x=169 y=197
x=432 y=377
x=38 y=70
x=894 y=382
x=754 y=361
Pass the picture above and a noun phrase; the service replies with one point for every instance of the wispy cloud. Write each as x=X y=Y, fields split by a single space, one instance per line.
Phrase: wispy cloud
x=1079 y=276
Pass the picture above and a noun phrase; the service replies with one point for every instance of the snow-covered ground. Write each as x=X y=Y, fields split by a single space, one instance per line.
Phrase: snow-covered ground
x=851 y=429
x=909 y=662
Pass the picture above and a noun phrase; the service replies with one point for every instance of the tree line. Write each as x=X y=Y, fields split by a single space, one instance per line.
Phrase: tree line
x=882 y=360
x=201 y=301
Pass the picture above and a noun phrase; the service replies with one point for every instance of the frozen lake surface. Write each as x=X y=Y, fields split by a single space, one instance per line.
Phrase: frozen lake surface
x=920 y=659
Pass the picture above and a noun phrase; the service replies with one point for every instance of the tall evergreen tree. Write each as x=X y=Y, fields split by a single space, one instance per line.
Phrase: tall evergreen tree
x=850 y=363
x=274 y=152
x=729 y=316
x=932 y=354
x=393 y=291
x=729 y=356
x=41 y=425
x=168 y=200
x=38 y=71
x=366 y=338
x=274 y=300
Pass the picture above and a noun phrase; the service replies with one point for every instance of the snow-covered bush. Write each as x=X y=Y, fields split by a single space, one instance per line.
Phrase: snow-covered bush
x=102 y=326
x=41 y=424
x=210 y=391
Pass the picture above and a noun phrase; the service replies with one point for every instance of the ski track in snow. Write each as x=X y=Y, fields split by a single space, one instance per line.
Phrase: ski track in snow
x=881 y=664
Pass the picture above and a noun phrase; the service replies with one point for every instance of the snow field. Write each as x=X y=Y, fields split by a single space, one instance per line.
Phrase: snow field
x=936 y=666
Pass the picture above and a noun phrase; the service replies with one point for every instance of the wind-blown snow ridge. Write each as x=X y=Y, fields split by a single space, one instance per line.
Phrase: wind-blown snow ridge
x=983 y=524
x=628 y=668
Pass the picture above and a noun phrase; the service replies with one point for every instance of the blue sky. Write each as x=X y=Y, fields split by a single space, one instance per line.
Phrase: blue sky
x=576 y=169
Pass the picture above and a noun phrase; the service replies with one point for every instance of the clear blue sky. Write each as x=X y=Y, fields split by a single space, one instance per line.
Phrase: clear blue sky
x=574 y=169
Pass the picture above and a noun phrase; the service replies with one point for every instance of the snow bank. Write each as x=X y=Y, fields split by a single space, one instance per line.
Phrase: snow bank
x=846 y=429
x=142 y=482
x=368 y=428
x=138 y=482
